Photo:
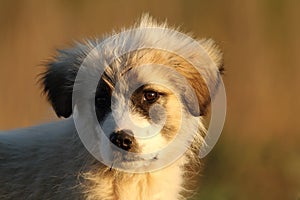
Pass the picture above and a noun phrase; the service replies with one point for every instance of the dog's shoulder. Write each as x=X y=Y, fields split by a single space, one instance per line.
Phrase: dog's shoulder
x=39 y=156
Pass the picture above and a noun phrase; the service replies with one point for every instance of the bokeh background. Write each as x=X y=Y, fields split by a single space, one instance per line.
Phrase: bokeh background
x=258 y=153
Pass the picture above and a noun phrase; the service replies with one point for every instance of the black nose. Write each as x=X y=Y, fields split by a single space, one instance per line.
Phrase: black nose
x=122 y=139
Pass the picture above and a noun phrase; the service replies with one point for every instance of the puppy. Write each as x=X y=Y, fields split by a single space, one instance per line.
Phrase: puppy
x=135 y=103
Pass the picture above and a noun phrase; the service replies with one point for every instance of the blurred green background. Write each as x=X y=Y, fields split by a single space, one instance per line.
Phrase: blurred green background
x=258 y=153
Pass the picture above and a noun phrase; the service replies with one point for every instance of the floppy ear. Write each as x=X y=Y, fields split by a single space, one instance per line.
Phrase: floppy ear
x=198 y=105
x=59 y=78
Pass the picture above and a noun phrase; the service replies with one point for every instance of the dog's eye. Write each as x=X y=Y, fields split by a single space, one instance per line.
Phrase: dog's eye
x=150 y=96
x=100 y=101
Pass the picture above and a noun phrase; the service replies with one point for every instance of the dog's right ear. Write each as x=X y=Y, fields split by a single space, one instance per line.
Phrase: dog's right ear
x=59 y=78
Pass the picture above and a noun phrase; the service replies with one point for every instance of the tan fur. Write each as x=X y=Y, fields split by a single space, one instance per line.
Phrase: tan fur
x=106 y=184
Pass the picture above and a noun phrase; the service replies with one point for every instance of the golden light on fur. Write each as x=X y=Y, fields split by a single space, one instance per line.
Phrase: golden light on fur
x=136 y=101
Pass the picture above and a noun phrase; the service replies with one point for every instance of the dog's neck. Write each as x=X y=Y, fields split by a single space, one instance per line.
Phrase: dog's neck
x=108 y=184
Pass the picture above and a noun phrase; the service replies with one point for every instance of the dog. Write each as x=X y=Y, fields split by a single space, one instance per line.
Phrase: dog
x=135 y=106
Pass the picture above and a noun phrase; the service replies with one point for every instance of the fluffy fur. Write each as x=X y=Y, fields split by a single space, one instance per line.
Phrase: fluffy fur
x=50 y=162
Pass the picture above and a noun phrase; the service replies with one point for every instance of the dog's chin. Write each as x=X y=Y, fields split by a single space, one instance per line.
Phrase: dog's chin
x=135 y=165
x=126 y=161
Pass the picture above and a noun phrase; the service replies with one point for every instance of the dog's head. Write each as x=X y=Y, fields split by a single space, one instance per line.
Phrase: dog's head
x=144 y=97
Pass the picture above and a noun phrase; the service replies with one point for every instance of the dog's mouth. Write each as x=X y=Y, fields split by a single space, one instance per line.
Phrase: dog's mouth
x=129 y=161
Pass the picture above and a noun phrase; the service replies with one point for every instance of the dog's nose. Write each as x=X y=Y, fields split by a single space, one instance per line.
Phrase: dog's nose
x=122 y=139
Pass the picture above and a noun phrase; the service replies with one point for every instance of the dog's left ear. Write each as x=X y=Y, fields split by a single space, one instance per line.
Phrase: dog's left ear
x=198 y=106
x=59 y=78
